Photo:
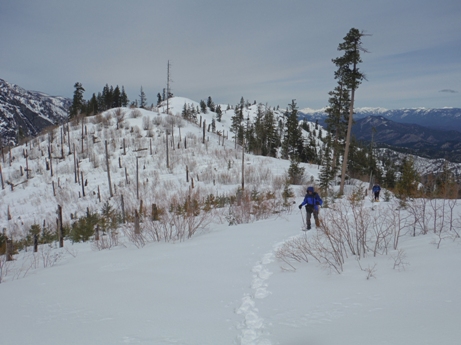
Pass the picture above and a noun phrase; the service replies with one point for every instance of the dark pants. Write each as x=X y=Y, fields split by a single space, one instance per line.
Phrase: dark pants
x=376 y=195
x=309 y=213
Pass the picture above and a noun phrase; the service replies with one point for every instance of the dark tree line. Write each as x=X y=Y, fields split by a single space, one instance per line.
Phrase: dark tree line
x=267 y=135
x=109 y=98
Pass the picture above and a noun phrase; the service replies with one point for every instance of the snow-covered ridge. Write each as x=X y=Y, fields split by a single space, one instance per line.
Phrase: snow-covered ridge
x=28 y=112
x=441 y=118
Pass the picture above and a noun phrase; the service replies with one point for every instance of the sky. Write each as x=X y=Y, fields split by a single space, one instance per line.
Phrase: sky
x=268 y=51
x=227 y=284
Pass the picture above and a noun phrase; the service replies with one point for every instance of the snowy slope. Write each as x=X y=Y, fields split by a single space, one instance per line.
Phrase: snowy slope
x=28 y=111
x=225 y=284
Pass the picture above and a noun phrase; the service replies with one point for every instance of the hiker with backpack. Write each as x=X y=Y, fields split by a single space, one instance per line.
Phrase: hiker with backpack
x=312 y=201
x=376 y=189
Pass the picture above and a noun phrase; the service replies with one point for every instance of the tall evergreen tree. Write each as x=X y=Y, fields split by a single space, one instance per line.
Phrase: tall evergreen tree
x=259 y=132
x=124 y=101
x=78 y=102
x=185 y=112
x=337 y=119
x=218 y=113
x=93 y=105
x=327 y=172
x=447 y=187
x=272 y=140
x=107 y=96
x=292 y=145
x=203 y=107
x=407 y=185
x=389 y=177
x=210 y=104
x=351 y=77
x=359 y=159
x=237 y=124
x=116 y=101
x=142 y=99
x=101 y=104
x=213 y=125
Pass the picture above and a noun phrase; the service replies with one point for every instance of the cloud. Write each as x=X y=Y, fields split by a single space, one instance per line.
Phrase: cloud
x=448 y=91
x=260 y=50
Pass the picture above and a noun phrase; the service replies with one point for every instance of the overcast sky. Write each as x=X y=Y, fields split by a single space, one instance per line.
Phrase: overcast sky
x=264 y=50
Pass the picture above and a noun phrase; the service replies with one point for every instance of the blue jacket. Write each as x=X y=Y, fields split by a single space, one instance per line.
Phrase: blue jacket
x=312 y=199
x=376 y=188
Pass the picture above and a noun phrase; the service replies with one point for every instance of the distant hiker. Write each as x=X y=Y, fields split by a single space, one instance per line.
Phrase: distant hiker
x=312 y=201
x=376 y=189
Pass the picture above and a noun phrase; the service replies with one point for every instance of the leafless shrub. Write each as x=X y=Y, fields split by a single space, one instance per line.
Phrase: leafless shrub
x=158 y=121
x=419 y=209
x=295 y=249
x=225 y=178
x=98 y=118
x=456 y=227
x=99 y=126
x=399 y=260
x=134 y=236
x=186 y=215
x=278 y=182
x=438 y=212
x=399 y=221
x=349 y=228
x=257 y=175
x=119 y=117
x=382 y=227
x=135 y=113
x=440 y=236
x=49 y=256
x=150 y=133
x=370 y=270
x=250 y=206
x=71 y=251
x=152 y=230
x=94 y=158
x=451 y=205
x=4 y=267
x=169 y=121
x=147 y=123
x=178 y=218
x=240 y=213
x=107 y=119
x=107 y=240
x=136 y=131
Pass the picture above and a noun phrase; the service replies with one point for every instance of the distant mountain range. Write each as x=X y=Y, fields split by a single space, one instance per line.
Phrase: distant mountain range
x=430 y=133
x=26 y=113
x=442 y=118
x=415 y=139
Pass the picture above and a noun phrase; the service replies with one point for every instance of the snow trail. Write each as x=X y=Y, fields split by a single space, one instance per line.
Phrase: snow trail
x=253 y=326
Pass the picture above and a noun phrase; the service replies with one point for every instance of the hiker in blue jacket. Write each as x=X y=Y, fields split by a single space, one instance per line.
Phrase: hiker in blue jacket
x=376 y=189
x=312 y=201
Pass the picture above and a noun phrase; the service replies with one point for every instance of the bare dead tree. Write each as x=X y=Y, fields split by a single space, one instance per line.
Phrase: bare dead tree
x=108 y=171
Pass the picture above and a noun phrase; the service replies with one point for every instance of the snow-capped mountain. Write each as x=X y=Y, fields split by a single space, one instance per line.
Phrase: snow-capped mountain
x=419 y=140
x=25 y=113
x=442 y=118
